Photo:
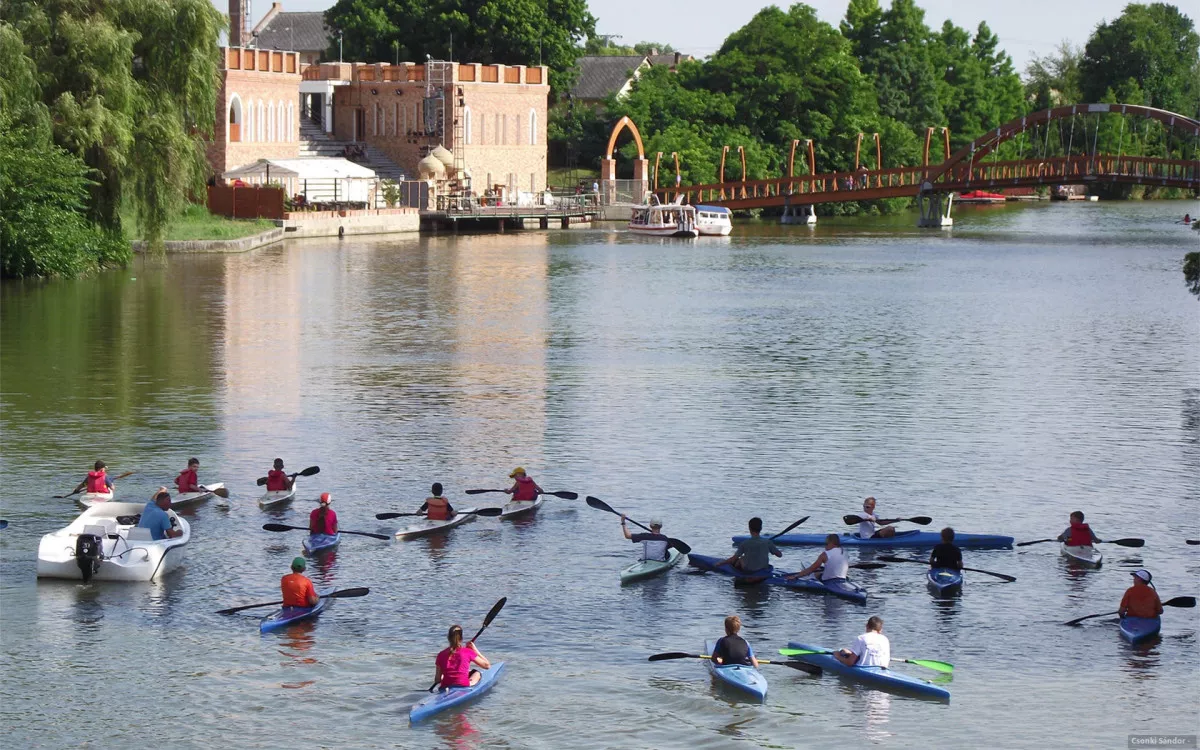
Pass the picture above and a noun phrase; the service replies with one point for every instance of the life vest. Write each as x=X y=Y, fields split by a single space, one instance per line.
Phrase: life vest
x=276 y=481
x=1081 y=535
x=95 y=481
x=526 y=490
x=437 y=509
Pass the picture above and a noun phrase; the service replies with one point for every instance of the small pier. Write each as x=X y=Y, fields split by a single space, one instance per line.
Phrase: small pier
x=502 y=218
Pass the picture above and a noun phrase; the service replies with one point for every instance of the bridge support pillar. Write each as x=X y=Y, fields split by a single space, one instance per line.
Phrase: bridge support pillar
x=935 y=208
x=798 y=214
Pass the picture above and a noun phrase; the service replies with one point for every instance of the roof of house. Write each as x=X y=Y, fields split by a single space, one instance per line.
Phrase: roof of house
x=600 y=76
x=303 y=32
x=669 y=59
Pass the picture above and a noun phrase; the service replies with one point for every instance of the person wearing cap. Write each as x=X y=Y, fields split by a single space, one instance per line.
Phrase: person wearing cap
x=654 y=544
x=452 y=668
x=157 y=519
x=836 y=566
x=868 y=527
x=323 y=520
x=97 y=480
x=524 y=489
x=437 y=508
x=188 y=481
x=297 y=588
x=277 y=478
x=1140 y=600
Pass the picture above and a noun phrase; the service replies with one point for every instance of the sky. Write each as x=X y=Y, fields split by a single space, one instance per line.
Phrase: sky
x=1027 y=28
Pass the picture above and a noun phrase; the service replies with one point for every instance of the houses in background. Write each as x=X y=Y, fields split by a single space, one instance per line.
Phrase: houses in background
x=601 y=76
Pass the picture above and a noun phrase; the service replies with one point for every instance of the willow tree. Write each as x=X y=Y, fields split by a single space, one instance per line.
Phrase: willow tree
x=131 y=89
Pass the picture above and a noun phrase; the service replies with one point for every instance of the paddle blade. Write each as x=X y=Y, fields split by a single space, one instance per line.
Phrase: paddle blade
x=495 y=611
x=800 y=651
x=802 y=666
x=349 y=593
x=1181 y=601
x=789 y=528
x=920 y=520
x=310 y=471
x=260 y=481
x=1035 y=541
x=1129 y=542
x=889 y=558
x=565 y=495
x=1001 y=576
x=220 y=492
x=233 y=610
x=868 y=566
x=1078 y=620
x=281 y=527
x=1193 y=541
x=480 y=492
x=851 y=520
x=674 y=655
x=599 y=504
x=937 y=666
x=386 y=516
x=677 y=544
x=489 y=512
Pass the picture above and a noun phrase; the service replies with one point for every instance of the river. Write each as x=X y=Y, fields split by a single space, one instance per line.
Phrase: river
x=1033 y=361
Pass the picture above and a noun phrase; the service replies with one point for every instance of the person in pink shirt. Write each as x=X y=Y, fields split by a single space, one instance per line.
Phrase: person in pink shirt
x=453 y=665
x=323 y=520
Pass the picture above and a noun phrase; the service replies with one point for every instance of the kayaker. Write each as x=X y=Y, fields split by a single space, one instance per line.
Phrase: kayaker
x=323 y=520
x=524 y=489
x=752 y=554
x=946 y=554
x=437 y=508
x=156 y=518
x=277 y=479
x=654 y=545
x=868 y=528
x=871 y=649
x=298 y=588
x=453 y=664
x=1078 y=534
x=97 y=480
x=833 y=558
x=187 y=481
x=1141 y=600
x=733 y=649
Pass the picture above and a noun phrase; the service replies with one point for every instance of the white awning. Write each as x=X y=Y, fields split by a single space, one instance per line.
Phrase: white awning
x=312 y=168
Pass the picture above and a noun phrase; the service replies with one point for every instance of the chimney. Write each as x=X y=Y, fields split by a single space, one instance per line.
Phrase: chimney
x=238 y=24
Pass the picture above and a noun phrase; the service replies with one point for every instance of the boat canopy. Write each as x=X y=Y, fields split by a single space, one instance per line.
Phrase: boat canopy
x=714 y=209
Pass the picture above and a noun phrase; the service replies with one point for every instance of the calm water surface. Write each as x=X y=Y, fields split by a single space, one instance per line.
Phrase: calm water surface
x=1033 y=361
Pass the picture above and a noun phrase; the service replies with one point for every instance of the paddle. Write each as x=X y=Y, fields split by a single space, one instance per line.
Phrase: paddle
x=218 y=491
x=343 y=594
x=599 y=504
x=84 y=484
x=1131 y=542
x=481 y=512
x=3 y=524
x=919 y=520
x=889 y=558
x=285 y=527
x=937 y=666
x=803 y=667
x=789 y=528
x=306 y=473
x=1186 y=602
x=565 y=495
x=491 y=615
x=1192 y=541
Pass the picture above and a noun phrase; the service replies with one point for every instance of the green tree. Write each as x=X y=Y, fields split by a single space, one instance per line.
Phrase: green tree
x=1191 y=272
x=1053 y=80
x=509 y=32
x=892 y=48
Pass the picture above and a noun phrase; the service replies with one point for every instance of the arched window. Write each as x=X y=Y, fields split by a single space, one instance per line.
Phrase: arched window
x=532 y=127
x=272 y=123
x=233 y=133
x=467 y=126
x=291 y=121
x=248 y=128
x=262 y=122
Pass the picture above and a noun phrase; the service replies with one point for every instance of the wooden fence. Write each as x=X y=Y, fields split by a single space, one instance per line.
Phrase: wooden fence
x=246 y=202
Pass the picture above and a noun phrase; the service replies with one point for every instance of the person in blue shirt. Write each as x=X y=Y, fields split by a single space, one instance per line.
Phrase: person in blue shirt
x=156 y=518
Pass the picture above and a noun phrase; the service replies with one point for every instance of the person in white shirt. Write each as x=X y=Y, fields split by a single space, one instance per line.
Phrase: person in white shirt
x=833 y=558
x=868 y=527
x=871 y=649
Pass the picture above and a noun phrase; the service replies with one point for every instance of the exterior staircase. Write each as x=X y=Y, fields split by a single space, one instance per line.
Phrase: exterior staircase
x=315 y=142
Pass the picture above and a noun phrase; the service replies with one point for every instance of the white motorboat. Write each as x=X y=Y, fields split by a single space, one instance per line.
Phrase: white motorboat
x=664 y=220
x=189 y=498
x=105 y=544
x=425 y=527
x=276 y=498
x=88 y=499
x=716 y=221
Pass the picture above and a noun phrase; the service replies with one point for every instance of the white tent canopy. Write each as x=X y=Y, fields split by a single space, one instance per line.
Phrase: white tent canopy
x=318 y=178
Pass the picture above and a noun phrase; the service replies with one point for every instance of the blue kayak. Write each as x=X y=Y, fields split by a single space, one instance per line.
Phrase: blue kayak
x=944 y=581
x=740 y=677
x=839 y=587
x=879 y=678
x=281 y=618
x=910 y=538
x=449 y=697
x=314 y=543
x=1137 y=629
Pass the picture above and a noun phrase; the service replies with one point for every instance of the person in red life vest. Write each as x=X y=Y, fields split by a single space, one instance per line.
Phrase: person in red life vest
x=187 y=481
x=1078 y=534
x=97 y=480
x=1141 y=600
x=437 y=508
x=277 y=479
x=453 y=664
x=524 y=489
x=323 y=520
x=297 y=588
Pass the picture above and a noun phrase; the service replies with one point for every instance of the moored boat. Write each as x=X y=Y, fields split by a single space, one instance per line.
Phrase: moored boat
x=105 y=544
x=285 y=616
x=879 y=678
x=425 y=527
x=179 y=499
x=521 y=508
x=664 y=220
x=276 y=498
x=1087 y=556
x=839 y=587
x=715 y=221
x=314 y=543
x=944 y=581
x=1138 y=629
x=902 y=539
x=450 y=697
x=740 y=677
x=643 y=569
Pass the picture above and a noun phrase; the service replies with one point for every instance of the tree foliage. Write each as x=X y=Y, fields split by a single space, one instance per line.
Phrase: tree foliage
x=1053 y=80
x=1191 y=272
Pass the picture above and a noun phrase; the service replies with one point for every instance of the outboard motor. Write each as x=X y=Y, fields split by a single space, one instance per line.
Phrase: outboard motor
x=88 y=551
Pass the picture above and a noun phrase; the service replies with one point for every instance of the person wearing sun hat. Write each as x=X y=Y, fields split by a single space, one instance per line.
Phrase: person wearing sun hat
x=297 y=588
x=524 y=489
x=323 y=520
x=654 y=544
x=1140 y=600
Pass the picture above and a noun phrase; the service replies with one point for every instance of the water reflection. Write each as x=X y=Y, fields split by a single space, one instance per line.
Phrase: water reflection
x=876 y=711
x=456 y=731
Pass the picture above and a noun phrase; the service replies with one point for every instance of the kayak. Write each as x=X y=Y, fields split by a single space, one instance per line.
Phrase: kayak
x=1137 y=629
x=879 y=678
x=911 y=538
x=740 y=677
x=314 y=543
x=449 y=697
x=839 y=587
x=187 y=498
x=944 y=581
x=281 y=618
x=649 y=568
x=1084 y=555
x=424 y=527
x=276 y=498
x=88 y=499
x=521 y=508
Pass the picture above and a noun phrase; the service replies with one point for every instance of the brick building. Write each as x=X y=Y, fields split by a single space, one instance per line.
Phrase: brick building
x=258 y=110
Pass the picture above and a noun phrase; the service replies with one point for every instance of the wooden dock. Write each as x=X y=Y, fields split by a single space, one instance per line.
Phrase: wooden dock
x=503 y=218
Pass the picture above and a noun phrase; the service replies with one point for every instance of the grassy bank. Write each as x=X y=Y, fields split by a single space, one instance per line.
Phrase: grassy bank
x=196 y=223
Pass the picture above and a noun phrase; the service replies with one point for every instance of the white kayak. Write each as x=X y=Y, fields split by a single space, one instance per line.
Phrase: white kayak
x=104 y=544
x=276 y=498
x=650 y=568
x=425 y=527
x=522 y=508
x=190 y=498
x=1084 y=555
x=88 y=499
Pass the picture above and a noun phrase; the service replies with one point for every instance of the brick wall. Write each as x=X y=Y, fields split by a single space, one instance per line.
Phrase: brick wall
x=268 y=137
